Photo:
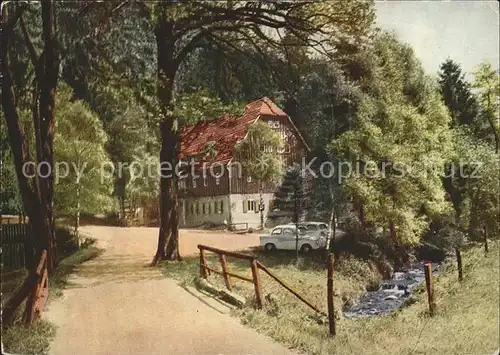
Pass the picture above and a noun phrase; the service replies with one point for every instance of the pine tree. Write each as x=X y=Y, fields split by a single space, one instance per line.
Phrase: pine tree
x=463 y=107
x=294 y=196
x=457 y=94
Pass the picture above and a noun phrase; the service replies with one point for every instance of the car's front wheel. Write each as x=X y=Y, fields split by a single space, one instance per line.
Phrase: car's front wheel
x=270 y=247
x=306 y=248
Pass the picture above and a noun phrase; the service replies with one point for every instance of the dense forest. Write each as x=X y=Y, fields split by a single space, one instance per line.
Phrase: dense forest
x=107 y=83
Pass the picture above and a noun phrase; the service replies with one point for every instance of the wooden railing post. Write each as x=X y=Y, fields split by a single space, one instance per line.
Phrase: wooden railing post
x=227 y=279
x=430 y=288
x=331 y=308
x=256 y=283
x=203 y=264
x=459 y=264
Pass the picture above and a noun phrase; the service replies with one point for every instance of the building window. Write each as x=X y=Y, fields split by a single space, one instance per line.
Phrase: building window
x=203 y=208
x=192 y=208
x=209 y=208
x=194 y=182
x=281 y=149
x=221 y=207
x=268 y=149
x=197 y=207
x=250 y=205
x=205 y=181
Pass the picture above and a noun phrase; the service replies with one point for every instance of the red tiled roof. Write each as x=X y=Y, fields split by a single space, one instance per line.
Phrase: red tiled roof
x=225 y=131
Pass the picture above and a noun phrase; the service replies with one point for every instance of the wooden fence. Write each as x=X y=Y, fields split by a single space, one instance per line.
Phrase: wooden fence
x=17 y=246
x=254 y=264
x=13 y=219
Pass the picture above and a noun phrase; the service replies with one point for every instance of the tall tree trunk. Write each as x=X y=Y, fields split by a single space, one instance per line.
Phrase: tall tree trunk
x=261 y=203
x=37 y=192
x=172 y=249
x=122 y=209
x=330 y=239
x=168 y=237
x=296 y=213
x=332 y=221
x=48 y=86
x=77 y=216
x=20 y=151
x=496 y=134
x=395 y=243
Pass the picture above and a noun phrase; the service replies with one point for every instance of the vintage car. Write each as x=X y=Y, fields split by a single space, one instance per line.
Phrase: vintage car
x=283 y=237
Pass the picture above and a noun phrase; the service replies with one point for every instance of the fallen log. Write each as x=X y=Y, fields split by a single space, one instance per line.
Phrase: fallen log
x=225 y=295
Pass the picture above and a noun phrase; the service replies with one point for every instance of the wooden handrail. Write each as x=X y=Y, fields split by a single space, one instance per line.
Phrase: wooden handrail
x=276 y=278
x=244 y=278
x=204 y=269
x=41 y=263
x=228 y=253
x=254 y=265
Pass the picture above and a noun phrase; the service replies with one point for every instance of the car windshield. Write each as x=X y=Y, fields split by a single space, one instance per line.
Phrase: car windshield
x=312 y=227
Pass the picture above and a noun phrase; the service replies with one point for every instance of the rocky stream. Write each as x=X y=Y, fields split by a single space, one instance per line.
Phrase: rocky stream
x=391 y=294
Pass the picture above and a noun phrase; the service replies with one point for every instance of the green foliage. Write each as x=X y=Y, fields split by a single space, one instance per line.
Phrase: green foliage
x=488 y=85
x=10 y=200
x=472 y=175
x=457 y=94
x=133 y=147
x=481 y=168
x=203 y=106
x=294 y=193
x=80 y=143
x=401 y=140
x=258 y=152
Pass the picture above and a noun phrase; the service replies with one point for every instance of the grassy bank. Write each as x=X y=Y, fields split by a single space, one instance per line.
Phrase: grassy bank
x=19 y=339
x=466 y=321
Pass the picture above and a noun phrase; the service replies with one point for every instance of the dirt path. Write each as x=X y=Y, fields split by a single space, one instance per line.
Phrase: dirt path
x=116 y=304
